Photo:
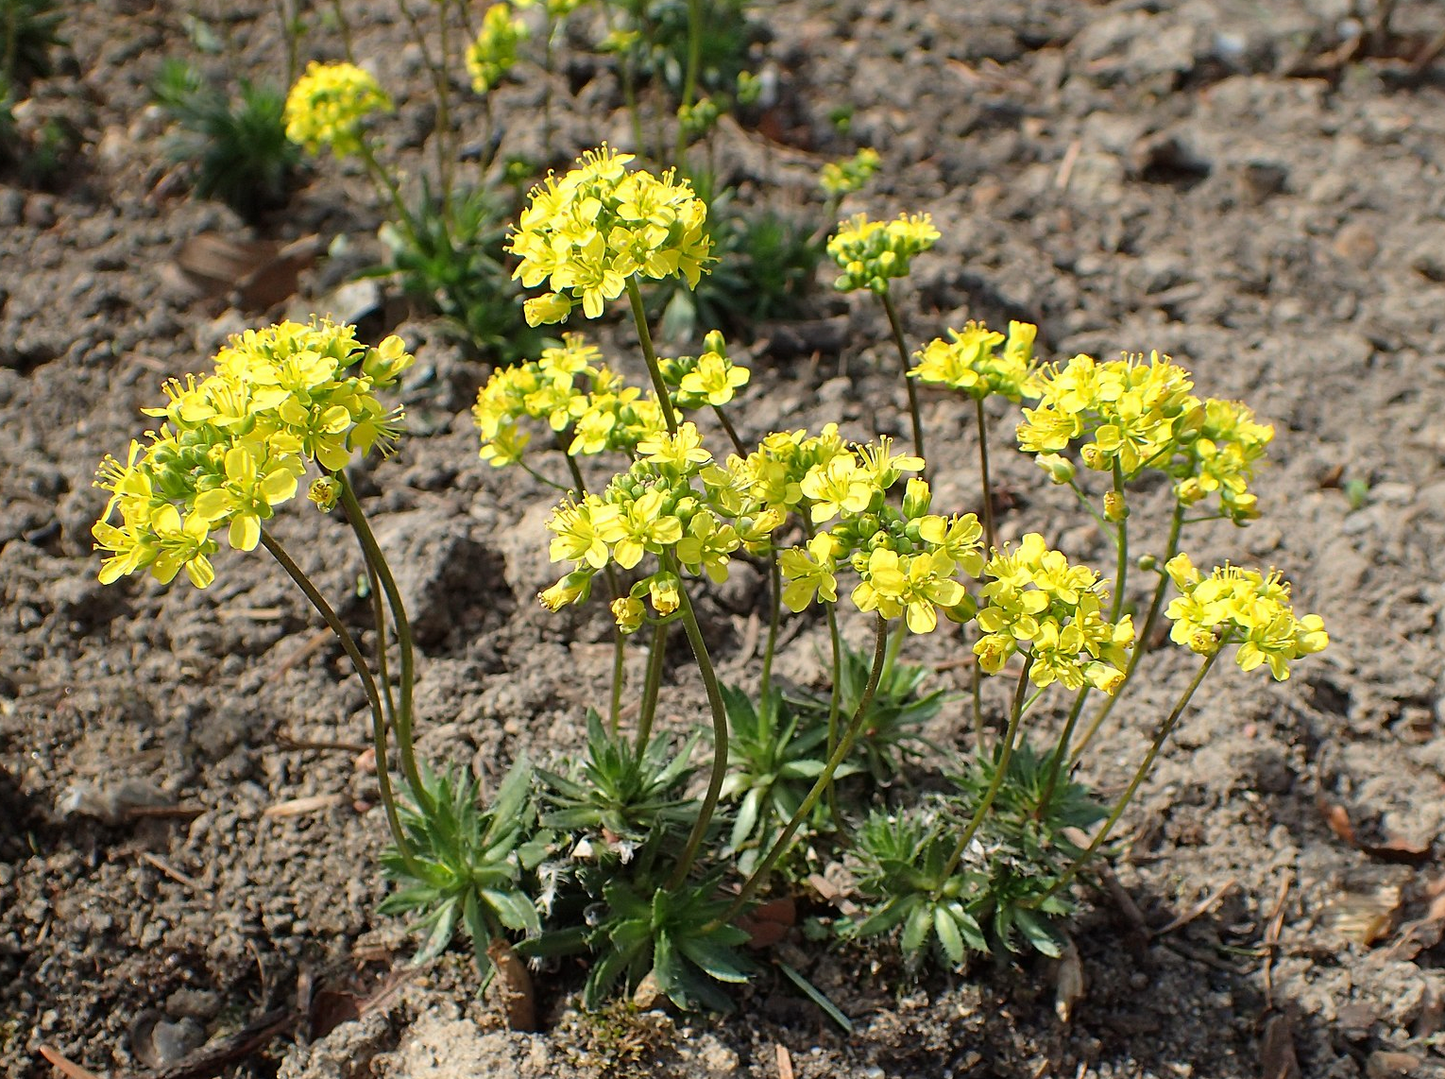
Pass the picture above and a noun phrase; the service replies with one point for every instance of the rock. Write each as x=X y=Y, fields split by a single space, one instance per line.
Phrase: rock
x=39 y=211
x=453 y=585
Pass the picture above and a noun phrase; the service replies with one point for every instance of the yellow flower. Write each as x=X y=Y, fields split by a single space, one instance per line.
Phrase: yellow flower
x=809 y=573
x=599 y=225
x=714 y=379
x=491 y=55
x=683 y=452
x=662 y=589
x=327 y=105
x=871 y=252
x=584 y=531
x=839 y=486
x=629 y=613
x=573 y=588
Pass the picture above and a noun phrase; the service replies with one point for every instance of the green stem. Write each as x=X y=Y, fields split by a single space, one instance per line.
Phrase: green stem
x=1160 y=735
x=368 y=684
x=387 y=185
x=719 y=731
x=619 y=639
x=1000 y=769
x=650 y=687
x=629 y=83
x=547 y=49
x=1121 y=573
x=989 y=538
x=897 y=327
x=835 y=696
x=775 y=618
x=689 y=78
x=378 y=614
x=440 y=87
x=835 y=760
x=377 y=560
x=1061 y=749
x=644 y=338
x=1141 y=641
x=732 y=432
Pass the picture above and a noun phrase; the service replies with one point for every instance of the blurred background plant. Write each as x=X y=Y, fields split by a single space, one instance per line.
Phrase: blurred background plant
x=29 y=30
x=234 y=147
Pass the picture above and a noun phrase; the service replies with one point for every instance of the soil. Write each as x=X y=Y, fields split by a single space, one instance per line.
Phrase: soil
x=1252 y=188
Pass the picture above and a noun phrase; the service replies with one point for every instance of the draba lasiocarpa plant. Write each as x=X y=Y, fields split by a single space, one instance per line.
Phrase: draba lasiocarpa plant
x=644 y=855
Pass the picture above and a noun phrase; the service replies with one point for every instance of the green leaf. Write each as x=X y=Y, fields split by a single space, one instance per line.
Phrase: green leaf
x=747 y=818
x=715 y=961
x=817 y=996
x=514 y=910
x=511 y=797
x=917 y=929
x=948 y=934
x=668 y=970
x=444 y=926
x=1037 y=933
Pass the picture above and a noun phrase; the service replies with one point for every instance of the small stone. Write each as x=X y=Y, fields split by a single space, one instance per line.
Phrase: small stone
x=1356 y=242
x=39 y=211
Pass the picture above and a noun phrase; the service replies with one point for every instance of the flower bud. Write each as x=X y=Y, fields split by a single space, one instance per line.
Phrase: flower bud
x=1114 y=507
x=324 y=492
x=629 y=613
x=1059 y=469
x=917 y=498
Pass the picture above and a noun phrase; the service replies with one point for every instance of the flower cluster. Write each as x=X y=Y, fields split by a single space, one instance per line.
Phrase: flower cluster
x=234 y=445
x=1036 y=598
x=1243 y=606
x=1219 y=454
x=675 y=504
x=1132 y=414
x=972 y=362
x=906 y=559
x=871 y=252
x=585 y=404
x=494 y=51
x=327 y=105
x=1124 y=412
x=599 y=225
x=840 y=178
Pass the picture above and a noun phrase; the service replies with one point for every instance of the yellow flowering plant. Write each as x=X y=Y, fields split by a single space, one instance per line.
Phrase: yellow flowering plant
x=848 y=527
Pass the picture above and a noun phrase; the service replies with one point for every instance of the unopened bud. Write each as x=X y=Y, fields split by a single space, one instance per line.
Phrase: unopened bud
x=1059 y=469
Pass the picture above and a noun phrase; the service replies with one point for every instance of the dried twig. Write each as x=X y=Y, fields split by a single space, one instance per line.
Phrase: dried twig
x=1196 y=911
x=1272 y=930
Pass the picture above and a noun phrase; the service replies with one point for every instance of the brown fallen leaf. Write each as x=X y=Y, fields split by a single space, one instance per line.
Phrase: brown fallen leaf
x=1364 y=917
x=261 y=272
x=1393 y=850
x=296 y=807
x=1069 y=984
x=769 y=922
x=514 y=986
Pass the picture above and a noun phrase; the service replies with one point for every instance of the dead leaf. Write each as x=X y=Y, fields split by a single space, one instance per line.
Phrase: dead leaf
x=1384 y=1064
x=1393 y=850
x=769 y=922
x=1069 y=984
x=296 y=807
x=261 y=272
x=514 y=986
x=785 y=1063
x=1363 y=917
